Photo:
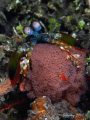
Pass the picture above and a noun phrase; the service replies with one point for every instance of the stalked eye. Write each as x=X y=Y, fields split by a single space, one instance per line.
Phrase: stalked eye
x=36 y=25
x=27 y=30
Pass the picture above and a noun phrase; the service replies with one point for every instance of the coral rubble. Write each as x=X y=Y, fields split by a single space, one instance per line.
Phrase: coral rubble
x=42 y=109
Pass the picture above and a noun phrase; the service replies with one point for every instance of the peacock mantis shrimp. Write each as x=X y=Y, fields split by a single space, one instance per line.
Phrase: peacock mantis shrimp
x=20 y=61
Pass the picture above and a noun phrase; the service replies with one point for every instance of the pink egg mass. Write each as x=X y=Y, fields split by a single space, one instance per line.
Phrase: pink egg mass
x=56 y=74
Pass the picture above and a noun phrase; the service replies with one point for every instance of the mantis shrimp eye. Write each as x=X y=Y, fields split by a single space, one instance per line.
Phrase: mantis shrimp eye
x=36 y=25
x=27 y=30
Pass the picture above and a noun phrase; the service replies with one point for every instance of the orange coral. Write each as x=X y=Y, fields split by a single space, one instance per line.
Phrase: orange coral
x=38 y=106
x=42 y=108
x=79 y=117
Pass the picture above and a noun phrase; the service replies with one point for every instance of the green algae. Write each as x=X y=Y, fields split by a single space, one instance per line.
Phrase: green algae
x=87 y=61
x=81 y=24
x=53 y=25
x=3 y=18
x=20 y=30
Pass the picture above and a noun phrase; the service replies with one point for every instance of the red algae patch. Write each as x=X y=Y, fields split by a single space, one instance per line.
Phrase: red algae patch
x=5 y=87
